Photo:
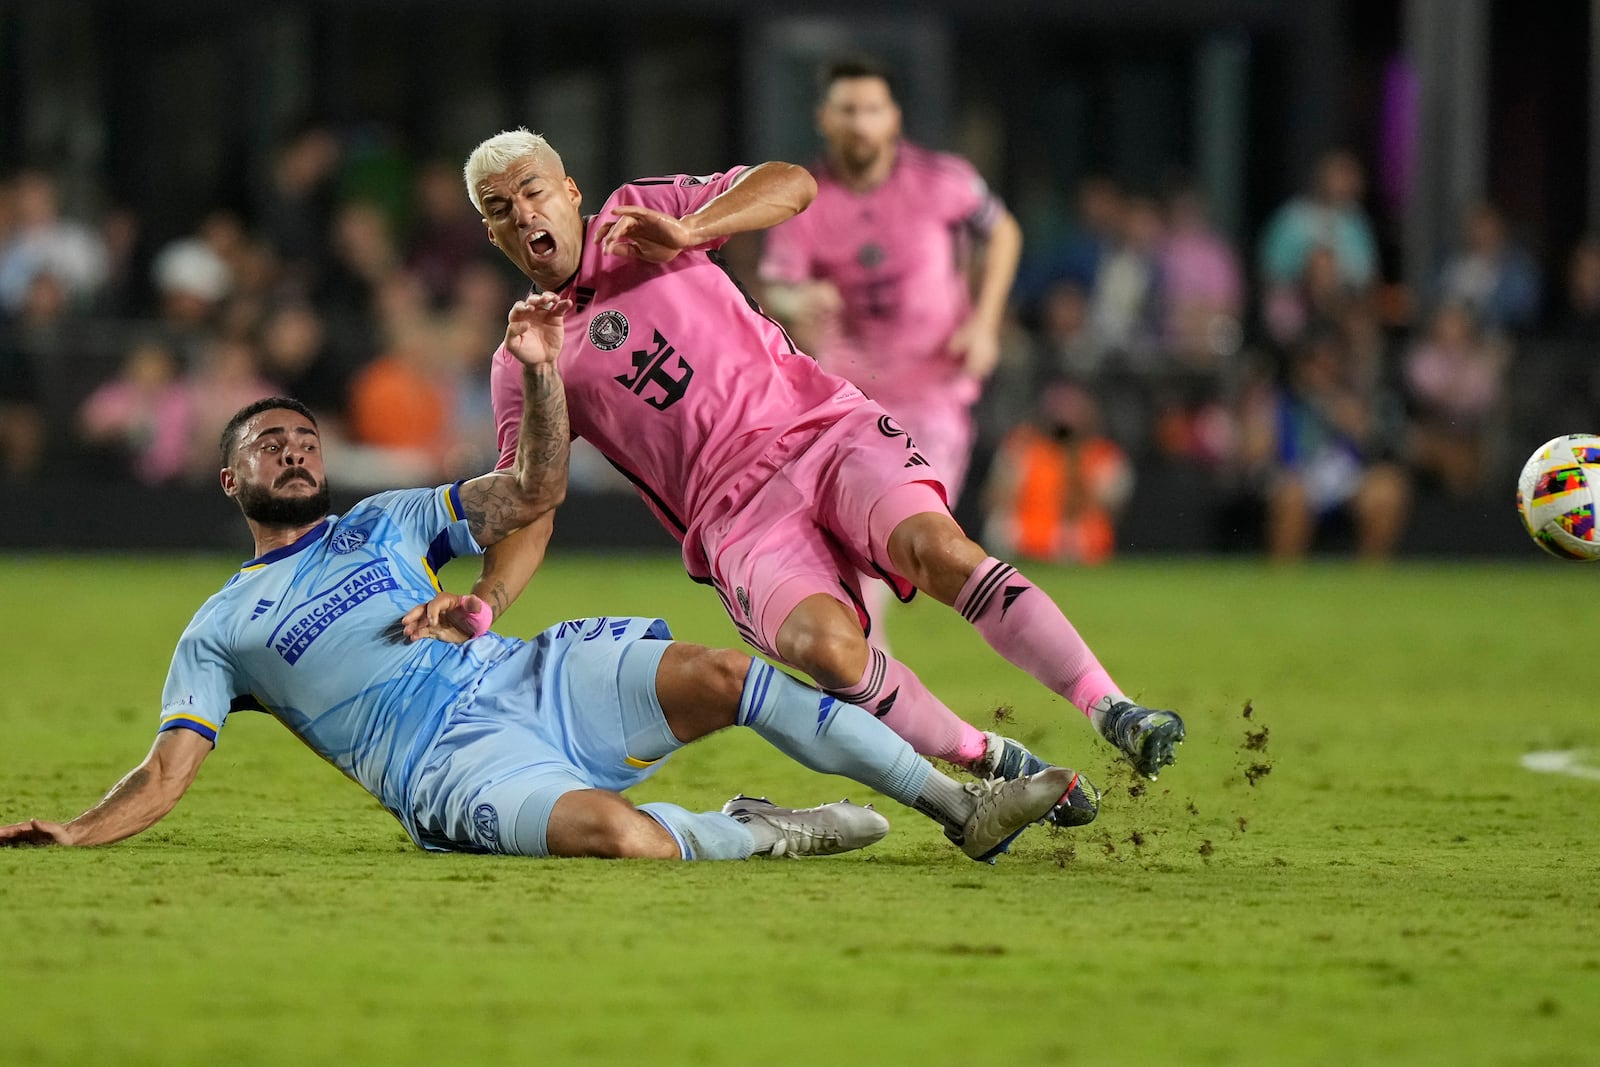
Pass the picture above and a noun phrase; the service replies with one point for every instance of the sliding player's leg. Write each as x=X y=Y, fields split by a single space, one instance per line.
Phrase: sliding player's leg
x=696 y=687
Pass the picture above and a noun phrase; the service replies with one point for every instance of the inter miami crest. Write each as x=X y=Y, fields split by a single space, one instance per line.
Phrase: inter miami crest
x=870 y=255
x=608 y=330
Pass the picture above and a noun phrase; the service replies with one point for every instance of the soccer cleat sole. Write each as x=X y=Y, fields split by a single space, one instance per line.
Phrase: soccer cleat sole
x=1157 y=749
x=1078 y=807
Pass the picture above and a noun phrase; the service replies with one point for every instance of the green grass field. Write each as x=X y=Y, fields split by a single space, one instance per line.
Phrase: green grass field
x=1396 y=889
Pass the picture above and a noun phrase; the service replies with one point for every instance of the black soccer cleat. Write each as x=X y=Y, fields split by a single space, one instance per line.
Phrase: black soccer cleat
x=1147 y=736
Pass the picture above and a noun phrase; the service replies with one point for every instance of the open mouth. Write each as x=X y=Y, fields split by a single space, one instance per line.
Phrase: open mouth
x=541 y=244
x=297 y=476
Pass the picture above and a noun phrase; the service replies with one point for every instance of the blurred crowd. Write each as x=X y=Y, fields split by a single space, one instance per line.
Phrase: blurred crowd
x=1288 y=380
x=1308 y=399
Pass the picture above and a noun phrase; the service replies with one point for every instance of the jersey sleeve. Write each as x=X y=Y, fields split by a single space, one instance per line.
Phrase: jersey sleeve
x=679 y=194
x=505 y=393
x=201 y=683
x=429 y=517
x=972 y=202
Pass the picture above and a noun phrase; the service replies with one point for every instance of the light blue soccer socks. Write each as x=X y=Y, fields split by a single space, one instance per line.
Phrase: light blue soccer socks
x=708 y=835
x=826 y=734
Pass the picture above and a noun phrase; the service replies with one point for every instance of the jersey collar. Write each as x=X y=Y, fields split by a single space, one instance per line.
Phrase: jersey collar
x=304 y=541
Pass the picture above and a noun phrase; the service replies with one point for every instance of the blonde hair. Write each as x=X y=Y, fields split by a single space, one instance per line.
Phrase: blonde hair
x=499 y=153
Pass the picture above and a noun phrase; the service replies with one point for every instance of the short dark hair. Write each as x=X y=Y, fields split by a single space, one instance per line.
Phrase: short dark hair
x=857 y=66
x=230 y=432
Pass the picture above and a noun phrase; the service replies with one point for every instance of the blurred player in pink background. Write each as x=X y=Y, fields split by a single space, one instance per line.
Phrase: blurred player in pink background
x=876 y=277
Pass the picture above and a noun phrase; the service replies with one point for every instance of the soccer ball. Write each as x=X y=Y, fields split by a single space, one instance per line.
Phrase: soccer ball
x=1556 y=496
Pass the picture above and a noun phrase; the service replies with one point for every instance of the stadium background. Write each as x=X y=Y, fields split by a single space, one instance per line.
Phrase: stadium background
x=1400 y=888
x=164 y=123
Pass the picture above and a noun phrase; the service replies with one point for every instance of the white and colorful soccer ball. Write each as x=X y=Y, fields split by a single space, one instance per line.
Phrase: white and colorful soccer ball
x=1556 y=496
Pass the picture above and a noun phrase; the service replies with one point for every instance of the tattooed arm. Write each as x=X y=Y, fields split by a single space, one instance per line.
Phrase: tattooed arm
x=501 y=503
x=512 y=512
x=134 y=804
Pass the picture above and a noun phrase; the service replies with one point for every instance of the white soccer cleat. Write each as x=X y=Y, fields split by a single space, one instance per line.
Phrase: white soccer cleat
x=1007 y=806
x=825 y=830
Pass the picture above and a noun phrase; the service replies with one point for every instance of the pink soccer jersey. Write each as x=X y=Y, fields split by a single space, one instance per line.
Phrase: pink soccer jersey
x=673 y=372
x=895 y=253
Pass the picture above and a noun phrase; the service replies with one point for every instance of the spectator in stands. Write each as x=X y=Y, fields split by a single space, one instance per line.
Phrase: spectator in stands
x=364 y=258
x=471 y=328
x=1202 y=284
x=1329 y=216
x=1490 y=275
x=400 y=403
x=144 y=415
x=1317 y=302
x=1127 y=301
x=480 y=294
x=192 y=281
x=127 y=291
x=1455 y=387
x=30 y=346
x=1580 y=318
x=446 y=236
x=296 y=354
x=41 y=241
x=1076 y=254
x=227 y=378
x=1057 y=484
x=298 y=205
x=1068 y=346
x=1311 y=443
x=1101 y=204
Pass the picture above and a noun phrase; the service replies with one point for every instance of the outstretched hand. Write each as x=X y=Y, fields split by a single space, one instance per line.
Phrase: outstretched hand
x=451 y=617
x=641 y=233
x=33 y=832
x=533 y=329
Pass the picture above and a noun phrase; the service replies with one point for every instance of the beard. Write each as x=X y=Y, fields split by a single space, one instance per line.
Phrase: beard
x=259 y=504
x=860 y=156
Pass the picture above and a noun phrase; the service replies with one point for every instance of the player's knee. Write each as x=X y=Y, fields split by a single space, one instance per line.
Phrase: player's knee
x=700 y=688
x=724 y=671
x=834 y=656
x=935 y=555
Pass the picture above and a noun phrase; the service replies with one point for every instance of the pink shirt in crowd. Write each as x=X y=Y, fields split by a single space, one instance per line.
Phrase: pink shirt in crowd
x=897 y=254
x=674 y=373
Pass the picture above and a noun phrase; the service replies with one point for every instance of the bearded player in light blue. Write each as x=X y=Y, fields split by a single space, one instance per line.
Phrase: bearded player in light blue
x=497 y=744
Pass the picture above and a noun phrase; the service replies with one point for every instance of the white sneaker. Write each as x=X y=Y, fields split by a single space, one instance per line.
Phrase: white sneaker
x=825 y=830
x=1007 y=806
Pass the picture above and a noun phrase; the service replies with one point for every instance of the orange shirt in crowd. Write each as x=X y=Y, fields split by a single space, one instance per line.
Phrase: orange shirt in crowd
x=1052 y=506
x=394 y=406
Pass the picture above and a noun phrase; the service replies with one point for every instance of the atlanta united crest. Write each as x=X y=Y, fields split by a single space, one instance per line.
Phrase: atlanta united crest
x=608 y=330
x=346 y=541
x=486 y=826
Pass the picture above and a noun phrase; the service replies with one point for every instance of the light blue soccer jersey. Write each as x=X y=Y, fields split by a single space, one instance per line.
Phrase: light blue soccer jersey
x=309 y=633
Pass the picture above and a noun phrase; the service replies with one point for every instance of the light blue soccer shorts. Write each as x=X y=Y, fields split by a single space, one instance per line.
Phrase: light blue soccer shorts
x=573 y=708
